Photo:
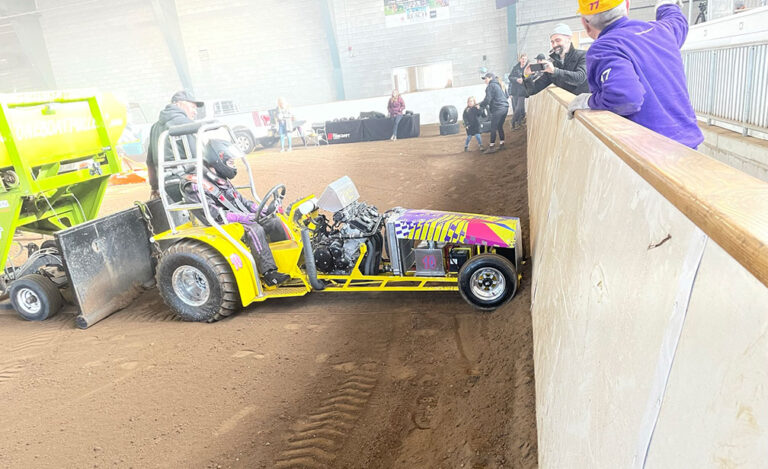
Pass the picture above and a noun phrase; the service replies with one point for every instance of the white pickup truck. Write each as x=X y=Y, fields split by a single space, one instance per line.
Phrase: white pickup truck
x=250 y=127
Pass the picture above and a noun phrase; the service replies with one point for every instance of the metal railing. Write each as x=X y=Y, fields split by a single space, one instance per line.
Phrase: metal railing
x=730 y=85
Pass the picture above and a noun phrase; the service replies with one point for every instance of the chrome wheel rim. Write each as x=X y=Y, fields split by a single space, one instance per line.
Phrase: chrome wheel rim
x=28 y=301
x=488 y=284
x=191 y=285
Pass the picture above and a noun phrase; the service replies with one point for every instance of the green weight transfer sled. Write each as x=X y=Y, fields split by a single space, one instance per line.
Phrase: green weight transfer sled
x=57 y=153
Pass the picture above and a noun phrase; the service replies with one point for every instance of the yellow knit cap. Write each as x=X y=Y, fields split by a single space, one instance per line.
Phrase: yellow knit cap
x=592 y=7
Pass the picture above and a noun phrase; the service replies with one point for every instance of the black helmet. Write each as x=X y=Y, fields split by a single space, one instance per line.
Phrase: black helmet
x=220 y=157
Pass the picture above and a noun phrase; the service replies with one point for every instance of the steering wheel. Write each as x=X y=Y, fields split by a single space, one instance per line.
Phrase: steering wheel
x=277 y=193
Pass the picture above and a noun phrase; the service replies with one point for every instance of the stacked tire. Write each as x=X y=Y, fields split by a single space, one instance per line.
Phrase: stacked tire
x=449 y=120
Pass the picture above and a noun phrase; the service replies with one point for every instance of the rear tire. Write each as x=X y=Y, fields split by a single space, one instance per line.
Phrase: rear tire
x=197 y=283
x=487 y=281
x=244 y=141
x=35 y=297
x=268 y=142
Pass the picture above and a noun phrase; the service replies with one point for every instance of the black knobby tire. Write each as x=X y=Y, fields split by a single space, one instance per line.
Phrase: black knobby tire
x=268 y=142
x=35 y=297
x=244 y=140
x=449 y=129
x=50 y=244
x=196 y=265
x=449 y=115
x=497 y=272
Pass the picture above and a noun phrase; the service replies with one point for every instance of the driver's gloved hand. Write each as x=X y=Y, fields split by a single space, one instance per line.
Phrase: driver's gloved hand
x=266 y=210
x=233 y=217
x=274 y=278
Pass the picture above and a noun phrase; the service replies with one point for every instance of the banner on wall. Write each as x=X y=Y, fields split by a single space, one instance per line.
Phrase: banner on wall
x=404 y=12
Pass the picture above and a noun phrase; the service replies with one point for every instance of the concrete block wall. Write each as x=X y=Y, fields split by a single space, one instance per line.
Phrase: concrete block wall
x=475 y=29
x=114 y=46
x=255 y=51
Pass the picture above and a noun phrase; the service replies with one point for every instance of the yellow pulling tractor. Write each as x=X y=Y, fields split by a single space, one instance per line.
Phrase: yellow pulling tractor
x=334 y=243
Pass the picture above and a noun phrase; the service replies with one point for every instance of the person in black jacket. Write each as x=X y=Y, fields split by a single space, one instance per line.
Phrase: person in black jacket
x=472 y=123
x=567 y=68
x=497 y=100
x=517 y=91
x=182 y=110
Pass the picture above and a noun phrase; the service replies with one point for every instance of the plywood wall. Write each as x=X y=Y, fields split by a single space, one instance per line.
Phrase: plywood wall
x=650 y=342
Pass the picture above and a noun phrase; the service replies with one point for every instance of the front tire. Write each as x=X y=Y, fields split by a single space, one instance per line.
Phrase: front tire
x=197 y=283
x=35 y=297
x=487 y=281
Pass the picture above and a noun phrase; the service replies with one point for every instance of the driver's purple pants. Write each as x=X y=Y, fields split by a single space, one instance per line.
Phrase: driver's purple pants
x=258 y=236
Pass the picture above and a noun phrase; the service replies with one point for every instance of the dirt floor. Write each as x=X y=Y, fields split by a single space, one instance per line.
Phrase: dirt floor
x=362 y=380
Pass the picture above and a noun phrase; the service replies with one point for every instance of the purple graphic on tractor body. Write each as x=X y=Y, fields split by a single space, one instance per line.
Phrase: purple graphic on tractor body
x=452 y=227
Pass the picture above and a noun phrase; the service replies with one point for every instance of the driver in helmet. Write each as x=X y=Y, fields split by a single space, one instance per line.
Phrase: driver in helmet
x=227 y=205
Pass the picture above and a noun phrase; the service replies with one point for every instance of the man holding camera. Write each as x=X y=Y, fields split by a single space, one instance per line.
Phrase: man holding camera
x=567 y=67
x=636 y=69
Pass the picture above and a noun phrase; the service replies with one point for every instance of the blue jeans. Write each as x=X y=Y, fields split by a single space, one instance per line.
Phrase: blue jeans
x=397 y=122
x=478 y=137
x=283 y=131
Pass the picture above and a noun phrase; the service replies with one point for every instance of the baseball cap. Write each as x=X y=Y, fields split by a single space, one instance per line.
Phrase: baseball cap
x=562 y=29
x=488 y=75
x=541 y=57
x=185 y=96
x=593 y=7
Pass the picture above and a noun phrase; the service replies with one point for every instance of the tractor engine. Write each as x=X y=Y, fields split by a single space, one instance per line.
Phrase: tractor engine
x=336 y=245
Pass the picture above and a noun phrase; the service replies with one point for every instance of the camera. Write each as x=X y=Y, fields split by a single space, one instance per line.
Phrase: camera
x=538 y=67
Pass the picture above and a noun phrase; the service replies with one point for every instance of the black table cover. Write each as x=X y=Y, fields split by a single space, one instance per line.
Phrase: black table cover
x=369 y=130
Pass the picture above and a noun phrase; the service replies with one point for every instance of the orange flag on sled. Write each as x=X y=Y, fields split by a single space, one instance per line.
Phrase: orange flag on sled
x=135 y=173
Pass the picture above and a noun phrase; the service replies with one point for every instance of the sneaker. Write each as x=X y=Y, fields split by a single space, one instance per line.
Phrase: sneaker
x=282 y=150
x=466 y=148
x=274 y=278
x=490 y=150
x=501 y=145
x=482 y=148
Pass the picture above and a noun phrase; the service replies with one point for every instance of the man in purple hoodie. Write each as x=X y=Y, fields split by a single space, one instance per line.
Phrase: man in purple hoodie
x=635 y=69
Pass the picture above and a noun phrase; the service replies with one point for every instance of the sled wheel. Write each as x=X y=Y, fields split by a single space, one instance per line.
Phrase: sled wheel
x=49 y=244
x=487 y=281
x=197 y=283
x=35 y=297
x=244 y=141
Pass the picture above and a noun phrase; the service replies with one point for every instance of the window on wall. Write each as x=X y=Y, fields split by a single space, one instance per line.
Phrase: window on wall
x=423 y=77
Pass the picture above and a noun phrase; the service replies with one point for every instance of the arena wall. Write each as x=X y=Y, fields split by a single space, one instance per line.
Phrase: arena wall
x=252 y=51
x=649 y=301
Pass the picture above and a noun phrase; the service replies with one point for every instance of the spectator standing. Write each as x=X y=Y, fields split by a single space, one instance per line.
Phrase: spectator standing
x=284 y=123
x=497 y=101
x=396 y=108
x=517 y=91
x=636 y=69
x=181 y=110
x=471 y=120
x=567 y=67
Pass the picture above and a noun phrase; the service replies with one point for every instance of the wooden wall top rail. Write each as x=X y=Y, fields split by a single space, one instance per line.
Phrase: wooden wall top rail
x=728 y=205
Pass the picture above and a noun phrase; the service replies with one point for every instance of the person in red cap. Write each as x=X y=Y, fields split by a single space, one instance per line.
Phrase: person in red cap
x=181 y=110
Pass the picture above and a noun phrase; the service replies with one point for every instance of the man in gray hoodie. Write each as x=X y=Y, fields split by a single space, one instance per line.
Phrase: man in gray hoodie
x=182 y=110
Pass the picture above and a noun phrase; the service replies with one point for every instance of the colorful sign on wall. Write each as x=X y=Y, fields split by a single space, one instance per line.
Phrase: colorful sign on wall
x=404 y=12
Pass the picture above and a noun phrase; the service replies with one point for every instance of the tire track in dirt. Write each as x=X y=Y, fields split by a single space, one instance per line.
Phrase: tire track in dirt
x=10 y=369
x=316 y=437
x=44 y=336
